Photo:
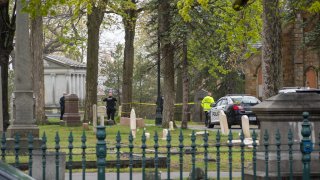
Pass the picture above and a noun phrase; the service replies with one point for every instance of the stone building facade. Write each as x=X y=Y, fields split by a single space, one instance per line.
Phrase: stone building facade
x=300 y=62
x=61 y=75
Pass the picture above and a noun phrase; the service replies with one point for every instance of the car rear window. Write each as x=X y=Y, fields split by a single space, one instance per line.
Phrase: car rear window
x=245 y=100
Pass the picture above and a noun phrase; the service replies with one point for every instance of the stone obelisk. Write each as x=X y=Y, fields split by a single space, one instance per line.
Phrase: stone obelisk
x=23 y=120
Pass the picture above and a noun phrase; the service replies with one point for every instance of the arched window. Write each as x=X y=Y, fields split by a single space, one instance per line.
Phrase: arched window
x=311 y=78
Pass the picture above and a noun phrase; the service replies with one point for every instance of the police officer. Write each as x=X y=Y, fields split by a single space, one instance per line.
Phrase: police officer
x=206 y=105
x=111 y=106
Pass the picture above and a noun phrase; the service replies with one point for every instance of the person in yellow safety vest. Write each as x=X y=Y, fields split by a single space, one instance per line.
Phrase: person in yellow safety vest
x=206 y=105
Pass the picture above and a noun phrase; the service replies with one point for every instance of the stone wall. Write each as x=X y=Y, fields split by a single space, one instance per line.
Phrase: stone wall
x=297 y=59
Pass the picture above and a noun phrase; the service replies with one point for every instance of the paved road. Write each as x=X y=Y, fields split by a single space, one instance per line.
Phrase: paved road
x=137 y=176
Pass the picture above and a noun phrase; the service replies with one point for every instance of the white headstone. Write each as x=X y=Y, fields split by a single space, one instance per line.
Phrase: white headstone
x=223 y=123
x=119 y=112
x=133 y=123
x=147 y=135
x=101 y=112
x=94 y=118
x=171 y=126
x=245 y=126
x=164 y=134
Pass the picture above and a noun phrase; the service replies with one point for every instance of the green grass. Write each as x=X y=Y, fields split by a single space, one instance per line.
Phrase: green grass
x=111 y=131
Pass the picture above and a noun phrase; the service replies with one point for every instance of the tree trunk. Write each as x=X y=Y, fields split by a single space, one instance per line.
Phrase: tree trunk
x=93 y=24
x=178 y=110
x=4 y=61
x=129 y=26
x=185 y=70
x=167 y=54
x=37 y=67
x=7 y=31
x=271 y=48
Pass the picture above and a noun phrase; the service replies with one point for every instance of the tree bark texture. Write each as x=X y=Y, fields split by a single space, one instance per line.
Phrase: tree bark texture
x=37 y=67
x=179 y=93
x=93 y=24
x=7 y=30
x=167 y=54
x=129 y=26
x=271 y=48
x=185 y=70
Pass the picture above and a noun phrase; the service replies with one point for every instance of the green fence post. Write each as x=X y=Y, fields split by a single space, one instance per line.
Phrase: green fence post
x=70 y=147
x=193 y=147
x=130 y=154
x=306 y=146
x=218 y=137
x=83 y=147
x=290 y=143
x=266 y=155
x=30 y=148
x=278 y=143
x=118 y=146
x=143 y=147
x=3 y=147
x=101 y=151
x=230 y=137
x=57 y=148
x=156 y=159
x=16 y=149
x=168 y=154
x=44 y=159
x=181 y=146
x=205 y=146
x=254 y=156
x=242 y=145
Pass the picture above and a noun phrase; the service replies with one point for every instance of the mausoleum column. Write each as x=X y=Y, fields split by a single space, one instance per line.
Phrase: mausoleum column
x=53 y=84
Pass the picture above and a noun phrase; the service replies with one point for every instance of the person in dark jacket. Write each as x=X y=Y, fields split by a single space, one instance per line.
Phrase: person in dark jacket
x=62 y=106
x=111 y=106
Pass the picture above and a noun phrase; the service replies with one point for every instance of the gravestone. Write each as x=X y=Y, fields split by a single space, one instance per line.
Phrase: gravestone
x=284 y=112
x=23 y=119
x=171 y=126
x=101 y=113
x=223 y=123
x=71 y=115
x=245 y=126
x=133 y=125
x=164 y=134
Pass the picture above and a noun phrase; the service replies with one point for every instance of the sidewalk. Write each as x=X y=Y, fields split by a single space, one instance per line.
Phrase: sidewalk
x=136 y=175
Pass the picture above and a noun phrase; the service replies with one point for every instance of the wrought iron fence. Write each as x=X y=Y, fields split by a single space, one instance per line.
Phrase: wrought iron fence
x=224 y=151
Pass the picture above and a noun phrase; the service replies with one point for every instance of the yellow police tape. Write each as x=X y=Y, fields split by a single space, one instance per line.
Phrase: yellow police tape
x=154 y=104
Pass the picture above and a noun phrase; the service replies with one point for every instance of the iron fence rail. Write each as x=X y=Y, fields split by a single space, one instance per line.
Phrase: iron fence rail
x=205 y=149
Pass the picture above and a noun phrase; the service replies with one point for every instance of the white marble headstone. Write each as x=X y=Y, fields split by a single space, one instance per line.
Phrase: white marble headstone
x=223 y=123
x=133 y=122
x=245 y=126
x=164 y=134
x=171 y=126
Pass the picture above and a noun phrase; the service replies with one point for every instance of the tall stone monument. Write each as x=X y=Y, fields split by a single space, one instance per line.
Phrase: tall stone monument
x=282 y=113
x=23 y=120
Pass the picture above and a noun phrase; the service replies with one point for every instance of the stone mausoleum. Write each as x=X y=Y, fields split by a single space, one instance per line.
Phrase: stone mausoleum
x=61 y=75
x=300 y=60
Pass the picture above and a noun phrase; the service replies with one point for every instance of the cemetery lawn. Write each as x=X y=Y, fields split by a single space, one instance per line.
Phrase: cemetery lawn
x=111 y=131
